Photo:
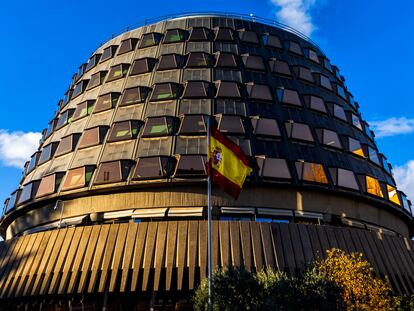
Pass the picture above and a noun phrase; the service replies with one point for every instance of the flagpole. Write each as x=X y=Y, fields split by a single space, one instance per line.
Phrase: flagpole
x=209 y=230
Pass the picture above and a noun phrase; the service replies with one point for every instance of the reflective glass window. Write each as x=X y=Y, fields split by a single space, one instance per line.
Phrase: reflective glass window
x=327 y=64
x=47 y=152
x=356 y=121
x=117 y=72
x=373 y=186
x=339 y=112
x=67 y=144
x=373 y=155
x=253 y=62
x=248 y=36
x=355 y=147
x=259 y=92
x=198 y=59
x=193 y=124
x=174 y=36
x=265 y=127
x=299 y=131
x=79 y=88
x=153 y=167
x=325 y=82
x=49 y=184
x=143 y=65
x=230 y=124
x=108 y=53
x=393 y=195
x=271 y=41
x=124 y=130
x=224 y=34
x=127 y=45
x=196 y=89
x=158 y=126
x=294 y=47
x=28 y=192
x=273 y=168
x=96 y=79
x=340 y=91
x=227 y=89
x=279 y=67
x=65 y=118
x=14 y=198
x=150 y=39
x=106 y=102
x=303 y=73
x=32 y=162
x=311 y=172
x=112 y=172
x=92 y=62
x=404 y=199
x=93 y=136
x=385 y=165
x=170 y=61
x=134 y=95
x=226 y=60
x=83 y=109
x=191 y=145
x=191 y=166
x=329 y=138
x=315 y=103
x=165 y=91
x=344 y=178
x=78 y=178
x=199 y=34
x=288 y=97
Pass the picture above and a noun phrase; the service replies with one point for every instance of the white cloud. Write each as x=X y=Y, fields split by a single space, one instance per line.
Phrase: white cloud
x=404 y=177
x=296 y=14
x=17 y=147
x=392 y=127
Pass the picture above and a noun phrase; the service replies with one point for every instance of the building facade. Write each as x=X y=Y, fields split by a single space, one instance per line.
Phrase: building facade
x=111 y=209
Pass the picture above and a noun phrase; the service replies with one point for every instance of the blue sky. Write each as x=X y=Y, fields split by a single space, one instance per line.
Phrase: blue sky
x=43 y=43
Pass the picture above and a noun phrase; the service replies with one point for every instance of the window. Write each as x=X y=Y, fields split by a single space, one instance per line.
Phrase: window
x=112 y=172
x=230 y=106
x=143 y=65
x=339 y=90
x=14 y=197
x=253 y=62
x=164 y=108
x=273 y=168
x=78 y=177
x=405 y=203
x=248 y=36
x=294 y=47
x=227 y=89
x=311 y=172
x=191 y=145
x=259 y=92
x=271 y=41
x=96 y=79
x=191 y=166
x=150 y=39
x=49 y=184
x=368 y=132
x=81 y=71
x=198 y=59
x=355 y=147
x=339 y=112
x=83 y=109
x=66 y=99
x=165 y=91
x=50 y=128
x=196 y=89
x=329 y=138
x=225 y=60
x=108 y=53
x=106 y=102
x=67 y=144
x=33 y=162
x=124 y=130
x=194 y=106
x=154 y=146
x=386 y=165
x=79 y=88
x=373 y=187
x=153 y=167
x=315 y=103
x=134 y=95
x=47 y=152
x=230 y=124
x=299 y=131
x=174 y=36
x=65 y=118
x=265 y=127
x=170 y=61
x=193 y=124
x=224 y=34
x=199 y=34
x=312 y=55
x=352 y=101
x=303 y=73
x=28 y=192
x=393 y=195
x=373 y=156
x=159 y=126
x=326 y=64
x=127 y=45
x=325 y=82
x=288 y=97
x=344 y=178
x=117 y=72
x=93 y=136
x=92 y=62
x=279 y=67
x=356 y=121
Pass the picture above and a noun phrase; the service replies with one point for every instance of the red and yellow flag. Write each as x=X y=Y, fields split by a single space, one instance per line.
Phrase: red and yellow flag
x=228 y=165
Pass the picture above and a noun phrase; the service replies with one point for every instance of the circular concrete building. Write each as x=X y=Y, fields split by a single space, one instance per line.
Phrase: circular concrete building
x=111 y=209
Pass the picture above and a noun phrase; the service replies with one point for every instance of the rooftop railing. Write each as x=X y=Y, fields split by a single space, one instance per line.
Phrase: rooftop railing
x=245 y=17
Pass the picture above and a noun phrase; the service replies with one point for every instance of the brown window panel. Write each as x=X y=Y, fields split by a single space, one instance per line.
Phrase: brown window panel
x=79 y=88
x=259 y=92
x=92 y=62
x=191 y=166
x=113 y=172
x=227 y=89
x=165 y=91
x=78 y=177
x=315 y=103
x=279 y=67
x=117 y=72
x=303 y=73
x=344 y=178
x=134 y=95
x=196 y=89
x=108 y=53
x=96 y=79
x=124 y=130
x=329 y=138
x=154 y=168
x=198 y=59
x=174 y=36
x=93 y=136
x=83 y=109
x=158 y=126
x=193 y=124
x=143 y=65
x=200 y=34
x=230 y=124
x=253 y=62
x=106 y=102
x=273 y=168
x=224 y=34
x=272 y=41
x=311 y=172
x=127 y=45
x=294 y=47
x=226 y=60
x=150 y=39
x=289 y=97
x=170 y=61
x=248 y=36
x=49 y=184
x=67 y=144
x=265 y=127
x=65 y=118
x=299 y=131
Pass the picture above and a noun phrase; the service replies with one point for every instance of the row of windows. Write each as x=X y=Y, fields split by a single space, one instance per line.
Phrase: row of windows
x=185 y=166
x=196 y=125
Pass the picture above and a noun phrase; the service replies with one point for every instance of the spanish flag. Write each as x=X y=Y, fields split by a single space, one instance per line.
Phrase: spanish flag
x=228 y=165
